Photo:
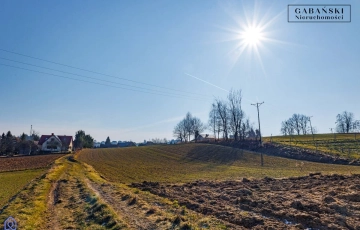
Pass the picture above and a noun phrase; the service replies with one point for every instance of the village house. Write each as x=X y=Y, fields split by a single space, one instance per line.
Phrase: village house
x=206 y=138
x=56 y=143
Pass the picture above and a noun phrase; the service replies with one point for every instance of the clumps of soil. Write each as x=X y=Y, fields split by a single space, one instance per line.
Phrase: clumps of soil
x=316 y=201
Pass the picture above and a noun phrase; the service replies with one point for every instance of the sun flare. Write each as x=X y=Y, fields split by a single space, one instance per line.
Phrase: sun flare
x=252 y=36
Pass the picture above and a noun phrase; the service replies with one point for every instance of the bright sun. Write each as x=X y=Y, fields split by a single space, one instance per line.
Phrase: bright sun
x=252 y=36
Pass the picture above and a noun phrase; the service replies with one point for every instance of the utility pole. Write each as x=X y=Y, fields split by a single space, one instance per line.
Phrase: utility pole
x=257 y=106
x=312 y=132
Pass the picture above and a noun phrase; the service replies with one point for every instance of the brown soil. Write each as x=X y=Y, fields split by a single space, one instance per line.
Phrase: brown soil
x=27 y=162
x=122 y=205
x=314 y=201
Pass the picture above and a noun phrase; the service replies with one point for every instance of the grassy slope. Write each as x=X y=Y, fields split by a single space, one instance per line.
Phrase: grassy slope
x=181 y=163
x=12 y=182
x=346 y=145
x=16 y=172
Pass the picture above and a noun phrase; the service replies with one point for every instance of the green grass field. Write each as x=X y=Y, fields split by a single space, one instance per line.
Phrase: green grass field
x=12 y=182
x=345 y=145
x=188 y=162
x=16 y=172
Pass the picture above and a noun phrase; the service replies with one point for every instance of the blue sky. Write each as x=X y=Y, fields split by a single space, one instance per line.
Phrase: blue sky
x=308 y=68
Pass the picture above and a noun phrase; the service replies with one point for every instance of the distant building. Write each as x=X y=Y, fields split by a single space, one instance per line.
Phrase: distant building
x=173 y=142
x=206 y=137
x=97 y=144
x=114 y=143
x=56 y=143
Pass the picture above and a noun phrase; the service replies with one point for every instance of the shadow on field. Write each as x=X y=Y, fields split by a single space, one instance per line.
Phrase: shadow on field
x=221 y=155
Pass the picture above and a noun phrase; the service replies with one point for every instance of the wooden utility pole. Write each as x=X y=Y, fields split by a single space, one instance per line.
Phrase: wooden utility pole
x=257 y=106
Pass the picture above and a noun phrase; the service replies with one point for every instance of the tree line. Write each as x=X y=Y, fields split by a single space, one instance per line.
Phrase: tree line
x=24 y=144
x=301 y=124
x=227 y=120
x=346 y=123
x=10 y=144
x=297 y=124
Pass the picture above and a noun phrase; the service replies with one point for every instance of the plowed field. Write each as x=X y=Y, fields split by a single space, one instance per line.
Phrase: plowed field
x=27 y=162
x=316 y=202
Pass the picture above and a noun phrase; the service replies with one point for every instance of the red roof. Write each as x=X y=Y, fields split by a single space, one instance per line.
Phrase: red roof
x=64 y=139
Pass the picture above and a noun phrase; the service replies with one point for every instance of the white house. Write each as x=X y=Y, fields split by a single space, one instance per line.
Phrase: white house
x=97 y=144
x=56 y=143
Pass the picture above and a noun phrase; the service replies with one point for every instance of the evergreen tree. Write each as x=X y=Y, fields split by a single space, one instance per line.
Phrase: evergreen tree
x=107 y=142
x=9 y=142
x=8 y=134
x=3 y=144
x=23 y=137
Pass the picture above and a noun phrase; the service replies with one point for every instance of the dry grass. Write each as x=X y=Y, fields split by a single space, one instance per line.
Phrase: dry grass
x=182 y=163
x=73 y=207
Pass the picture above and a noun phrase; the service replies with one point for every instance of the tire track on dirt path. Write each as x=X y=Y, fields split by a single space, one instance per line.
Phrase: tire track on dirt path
x=122 y=208
x=52 y=200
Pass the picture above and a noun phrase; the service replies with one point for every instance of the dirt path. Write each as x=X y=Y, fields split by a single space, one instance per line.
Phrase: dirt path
x=124 y=208
x=53 y=221
x=72 y=205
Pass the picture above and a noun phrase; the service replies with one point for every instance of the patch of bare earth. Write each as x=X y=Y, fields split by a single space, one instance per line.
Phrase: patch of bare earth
x=72 y=205
x=52 y=219
x=315 y=201
x=126 y=207
x=27 y=162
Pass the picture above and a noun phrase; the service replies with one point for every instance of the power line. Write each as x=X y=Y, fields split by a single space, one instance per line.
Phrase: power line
x=162 y=94
x=98 y=79
x=90 y=71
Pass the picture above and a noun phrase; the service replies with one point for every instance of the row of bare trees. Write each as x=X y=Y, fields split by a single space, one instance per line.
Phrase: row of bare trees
x=346 y=123
x=187 y=127
x=297 y=124
x=301 y=124
x=228 y=118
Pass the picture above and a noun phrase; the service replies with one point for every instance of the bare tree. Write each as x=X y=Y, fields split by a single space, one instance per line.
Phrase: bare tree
x=287 y=127
x=197 y=127
x=235 y=113
x=345 y=122
x=298 y=124
x=222 y=109
x=356 y=126
x=214 y=122
x=188 y=124
x=304 y=121
x=247 y=129
x=180 y=131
